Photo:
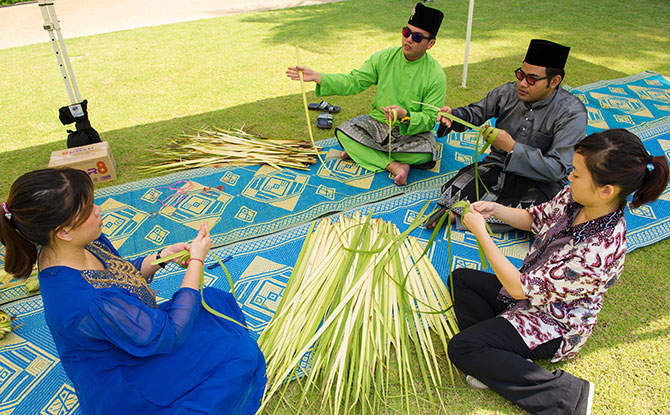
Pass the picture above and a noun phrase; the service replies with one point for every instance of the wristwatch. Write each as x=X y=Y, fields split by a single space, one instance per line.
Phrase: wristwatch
x=405 y=119
x=158 y=256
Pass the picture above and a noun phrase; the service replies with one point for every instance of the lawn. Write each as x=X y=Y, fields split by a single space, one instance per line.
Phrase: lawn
x=147 y=84
x=8 y=2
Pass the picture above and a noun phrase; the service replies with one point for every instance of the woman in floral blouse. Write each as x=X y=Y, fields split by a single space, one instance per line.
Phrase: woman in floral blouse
x=548 y=308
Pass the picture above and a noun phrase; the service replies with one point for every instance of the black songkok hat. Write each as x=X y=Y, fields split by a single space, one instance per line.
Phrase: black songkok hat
x=426 y=18
x=547 y=54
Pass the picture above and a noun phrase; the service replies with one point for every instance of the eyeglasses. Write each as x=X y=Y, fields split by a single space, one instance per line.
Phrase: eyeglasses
x=416 y=36
x=531 y=79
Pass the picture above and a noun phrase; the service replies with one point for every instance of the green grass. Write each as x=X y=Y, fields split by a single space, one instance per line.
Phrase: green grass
x=147 y=84
x=9 y=2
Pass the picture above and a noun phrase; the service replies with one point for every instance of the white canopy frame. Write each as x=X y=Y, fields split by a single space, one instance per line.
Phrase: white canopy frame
x=52 y=25
x=467 y=44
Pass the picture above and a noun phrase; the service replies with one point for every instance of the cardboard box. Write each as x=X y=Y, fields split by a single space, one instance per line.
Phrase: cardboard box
x=95 y=159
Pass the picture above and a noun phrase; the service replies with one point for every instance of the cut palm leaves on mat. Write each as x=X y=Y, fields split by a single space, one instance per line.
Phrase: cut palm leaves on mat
x=362 y=298
x=30 y=285
x=5 y=324
x=217 y=147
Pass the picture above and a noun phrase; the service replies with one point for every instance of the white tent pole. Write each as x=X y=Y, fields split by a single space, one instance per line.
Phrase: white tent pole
x=52 y=25
x=467 y=43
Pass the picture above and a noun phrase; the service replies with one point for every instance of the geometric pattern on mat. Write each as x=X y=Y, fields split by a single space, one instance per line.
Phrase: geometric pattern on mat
x=260 y=269
x=32 y=381
x=245 y=202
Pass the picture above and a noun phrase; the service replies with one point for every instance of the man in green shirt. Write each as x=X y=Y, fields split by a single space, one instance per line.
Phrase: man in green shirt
x=403 y=75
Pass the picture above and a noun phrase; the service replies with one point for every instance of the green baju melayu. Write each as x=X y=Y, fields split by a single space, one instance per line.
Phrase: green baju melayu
x=399 y=82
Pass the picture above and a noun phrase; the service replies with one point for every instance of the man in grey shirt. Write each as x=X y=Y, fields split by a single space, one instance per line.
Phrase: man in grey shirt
x=539 y=123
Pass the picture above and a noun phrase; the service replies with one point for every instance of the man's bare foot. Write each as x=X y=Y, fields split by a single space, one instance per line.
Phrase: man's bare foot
x=344 y=156
x=399 y=171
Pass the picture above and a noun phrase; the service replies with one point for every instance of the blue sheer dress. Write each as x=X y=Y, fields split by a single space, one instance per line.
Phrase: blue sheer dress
x=127 y=355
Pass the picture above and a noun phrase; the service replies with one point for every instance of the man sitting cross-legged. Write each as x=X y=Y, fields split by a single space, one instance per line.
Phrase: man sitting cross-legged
x=402 y=75
x=538 y=122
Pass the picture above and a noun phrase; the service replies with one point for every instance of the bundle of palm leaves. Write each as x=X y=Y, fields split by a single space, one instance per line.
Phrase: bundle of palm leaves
x=362 y=298
x=218 y=147
x=5 y=324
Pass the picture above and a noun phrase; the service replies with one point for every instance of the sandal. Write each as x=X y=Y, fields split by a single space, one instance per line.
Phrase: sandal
x=324 y=121
x=324 y=106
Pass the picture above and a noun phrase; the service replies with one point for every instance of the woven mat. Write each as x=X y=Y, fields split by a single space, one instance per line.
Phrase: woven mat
x=34 y=382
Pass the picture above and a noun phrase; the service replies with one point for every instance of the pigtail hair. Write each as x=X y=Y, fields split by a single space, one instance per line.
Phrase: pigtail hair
x=618 y=157
x=39 y=202
x=654 y=183
x=20 y=253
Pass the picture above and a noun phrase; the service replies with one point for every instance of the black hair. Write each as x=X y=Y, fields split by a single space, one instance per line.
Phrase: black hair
x=39 y=203
x=552 y=72
x=618 y=157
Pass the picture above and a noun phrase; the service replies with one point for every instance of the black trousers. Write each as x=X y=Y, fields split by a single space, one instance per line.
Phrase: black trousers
x=490 y=349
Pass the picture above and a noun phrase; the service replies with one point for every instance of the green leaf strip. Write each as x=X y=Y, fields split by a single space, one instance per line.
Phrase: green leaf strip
x=184 y=256
x=304 y=102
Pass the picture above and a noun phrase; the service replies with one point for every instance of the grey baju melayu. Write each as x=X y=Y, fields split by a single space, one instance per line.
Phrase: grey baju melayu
x=545 y=133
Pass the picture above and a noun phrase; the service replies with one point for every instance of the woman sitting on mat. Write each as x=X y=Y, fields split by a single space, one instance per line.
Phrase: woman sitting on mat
x=124 y=353
x=549 y=307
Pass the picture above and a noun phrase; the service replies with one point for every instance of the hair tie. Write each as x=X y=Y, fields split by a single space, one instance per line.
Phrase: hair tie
x=8 y=214
x=650 y=163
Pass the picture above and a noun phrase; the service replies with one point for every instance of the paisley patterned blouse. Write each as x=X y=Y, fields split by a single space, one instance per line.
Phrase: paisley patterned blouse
x=565 y=274
x=119 y=273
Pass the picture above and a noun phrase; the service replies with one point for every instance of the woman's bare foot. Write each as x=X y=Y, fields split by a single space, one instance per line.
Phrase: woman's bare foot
x=399 y=171
x=344 y=156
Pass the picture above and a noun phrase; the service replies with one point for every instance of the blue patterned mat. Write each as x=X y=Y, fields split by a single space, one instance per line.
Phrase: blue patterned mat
x=245 y=202
x=240 y=203
x=32 y=381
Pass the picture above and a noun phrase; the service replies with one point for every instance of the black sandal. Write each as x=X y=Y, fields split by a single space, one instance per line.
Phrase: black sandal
x=324 y=121
x=324 y=106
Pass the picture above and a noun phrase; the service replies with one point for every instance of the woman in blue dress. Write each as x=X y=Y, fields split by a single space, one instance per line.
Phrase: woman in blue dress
x=124 y=353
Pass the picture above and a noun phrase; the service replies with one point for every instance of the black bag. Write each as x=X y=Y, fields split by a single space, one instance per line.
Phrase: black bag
x=84 y=134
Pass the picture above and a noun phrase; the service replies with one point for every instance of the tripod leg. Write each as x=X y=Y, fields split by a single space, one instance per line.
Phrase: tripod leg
x=51 y=25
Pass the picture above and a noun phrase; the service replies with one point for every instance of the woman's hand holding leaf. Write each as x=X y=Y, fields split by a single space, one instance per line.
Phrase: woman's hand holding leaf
x=201 y=244
x=485 y=208
x=173 y=249
x=474 y=221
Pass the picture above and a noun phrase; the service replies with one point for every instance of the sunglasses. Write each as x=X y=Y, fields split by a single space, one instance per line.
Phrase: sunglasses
x=416 y=37
x=531 y=79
